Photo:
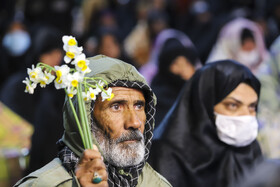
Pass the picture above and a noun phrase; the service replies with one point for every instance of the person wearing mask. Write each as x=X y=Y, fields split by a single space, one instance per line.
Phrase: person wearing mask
x=122 y=128
x=208 y=137
x=46 y=47
x=177 y=64
x=241 y=40
x=15 y=46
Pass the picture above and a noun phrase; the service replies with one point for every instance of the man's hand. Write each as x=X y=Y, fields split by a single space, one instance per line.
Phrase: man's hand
x=91 y=163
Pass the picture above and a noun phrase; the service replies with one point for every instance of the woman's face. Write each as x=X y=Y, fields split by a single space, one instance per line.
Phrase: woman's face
x=241 y=101
x=182 y=67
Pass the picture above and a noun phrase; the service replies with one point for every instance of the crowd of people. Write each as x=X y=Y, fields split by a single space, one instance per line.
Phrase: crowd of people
x=203 y=64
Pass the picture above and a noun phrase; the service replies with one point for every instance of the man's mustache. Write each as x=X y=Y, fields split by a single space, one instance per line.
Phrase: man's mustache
x=132 y=135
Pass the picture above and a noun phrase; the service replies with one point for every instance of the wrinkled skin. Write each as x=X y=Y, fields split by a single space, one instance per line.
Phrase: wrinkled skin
x=125 y=111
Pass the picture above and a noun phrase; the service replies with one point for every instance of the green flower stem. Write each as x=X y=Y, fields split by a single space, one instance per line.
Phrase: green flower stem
x=85 y=123
x=76 y=118
x=46 y=66
x=82 y=116
x=95 y=79
x=87 y=130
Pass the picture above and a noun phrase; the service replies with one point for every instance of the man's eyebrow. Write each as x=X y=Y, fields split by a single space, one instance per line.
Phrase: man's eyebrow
x=118 y=101
x=142 y=102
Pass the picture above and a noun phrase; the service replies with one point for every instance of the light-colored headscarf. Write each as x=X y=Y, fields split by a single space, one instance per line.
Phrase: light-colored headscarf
x=229 y=42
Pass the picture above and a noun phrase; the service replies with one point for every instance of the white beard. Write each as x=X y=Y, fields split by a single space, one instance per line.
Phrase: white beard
x=120 y=153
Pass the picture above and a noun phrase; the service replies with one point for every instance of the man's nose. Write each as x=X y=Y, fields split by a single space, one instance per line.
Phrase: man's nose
x=132 y=120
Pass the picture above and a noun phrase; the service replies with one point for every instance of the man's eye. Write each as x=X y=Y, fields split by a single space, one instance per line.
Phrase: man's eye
x=139 y=106
x=115 y=106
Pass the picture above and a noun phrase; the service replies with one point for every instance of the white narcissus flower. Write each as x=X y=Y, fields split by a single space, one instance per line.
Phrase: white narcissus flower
x=71 y=92
x=69 y=41
x=30 y=86
x=45 y=78
x=90 y=94
x=99 y=85
x=85 y=96
x=61 y=76
x=49 y=77
x=107 y=94
x=71 y=48
x=71 y=53
x=35 y=73
x=74 y=79
x=81 y=63
x=93 y=93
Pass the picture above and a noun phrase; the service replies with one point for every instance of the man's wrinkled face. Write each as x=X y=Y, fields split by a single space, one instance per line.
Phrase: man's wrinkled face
x=119 y=126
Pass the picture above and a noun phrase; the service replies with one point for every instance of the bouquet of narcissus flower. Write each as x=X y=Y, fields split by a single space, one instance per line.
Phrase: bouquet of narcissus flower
x=73 y=81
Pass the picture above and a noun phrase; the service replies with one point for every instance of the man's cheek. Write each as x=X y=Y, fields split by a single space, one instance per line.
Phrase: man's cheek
x=110 y=123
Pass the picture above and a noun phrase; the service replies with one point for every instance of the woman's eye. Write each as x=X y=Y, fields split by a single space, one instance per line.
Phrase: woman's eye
x=231 y=106
x=252 y=108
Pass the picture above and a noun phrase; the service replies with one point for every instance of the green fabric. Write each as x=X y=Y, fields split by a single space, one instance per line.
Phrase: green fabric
x=54 y=174
x=110 y=70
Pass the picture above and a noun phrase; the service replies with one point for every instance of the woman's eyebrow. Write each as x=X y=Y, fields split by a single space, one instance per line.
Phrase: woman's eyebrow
x=236 y=100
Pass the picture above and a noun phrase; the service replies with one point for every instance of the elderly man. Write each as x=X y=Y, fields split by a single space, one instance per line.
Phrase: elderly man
x=122 y=128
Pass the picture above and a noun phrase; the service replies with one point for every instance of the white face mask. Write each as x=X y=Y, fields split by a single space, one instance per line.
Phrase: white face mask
x=248 y=58
x=237 y=131
x=17 y=42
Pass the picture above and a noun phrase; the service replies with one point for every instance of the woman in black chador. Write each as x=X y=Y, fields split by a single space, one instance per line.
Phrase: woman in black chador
x=208 y=137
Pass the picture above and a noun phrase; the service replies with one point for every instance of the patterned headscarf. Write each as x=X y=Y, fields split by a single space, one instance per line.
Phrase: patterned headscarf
x=121 y=176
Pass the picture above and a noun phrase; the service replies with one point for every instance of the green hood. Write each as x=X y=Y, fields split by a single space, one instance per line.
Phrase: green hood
x=111 y=70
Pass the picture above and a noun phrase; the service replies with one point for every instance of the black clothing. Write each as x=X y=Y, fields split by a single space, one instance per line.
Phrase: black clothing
x=186 y=148
x=166 y=84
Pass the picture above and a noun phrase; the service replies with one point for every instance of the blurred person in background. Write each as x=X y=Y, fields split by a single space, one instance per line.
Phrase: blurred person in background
x=201 y=24
x=108 y=43
x=140 y=41
x=47 y=113
x=15 y=45
x=55 y=13
x=177 y=62
x=46 y=47
x=269 y=109
x=241 y=39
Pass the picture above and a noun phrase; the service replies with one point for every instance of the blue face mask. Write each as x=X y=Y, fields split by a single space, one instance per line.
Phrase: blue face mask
x=17 y=42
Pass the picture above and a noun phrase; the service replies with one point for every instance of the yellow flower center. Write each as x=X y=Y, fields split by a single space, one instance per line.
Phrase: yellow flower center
x=70 y=95
x=84 y=68
x=72 y=41
x=58 y=74
x=70 y=54
x=111 y=97
x=92 y=95
x=81 y=64
x=42 y=82
x=33 y=75
x=85 y=98
x=59 y=81
x=74 y=83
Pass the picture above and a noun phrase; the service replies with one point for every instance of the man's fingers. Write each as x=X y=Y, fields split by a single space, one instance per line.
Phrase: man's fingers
x=89 y=154
x=91 y=164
